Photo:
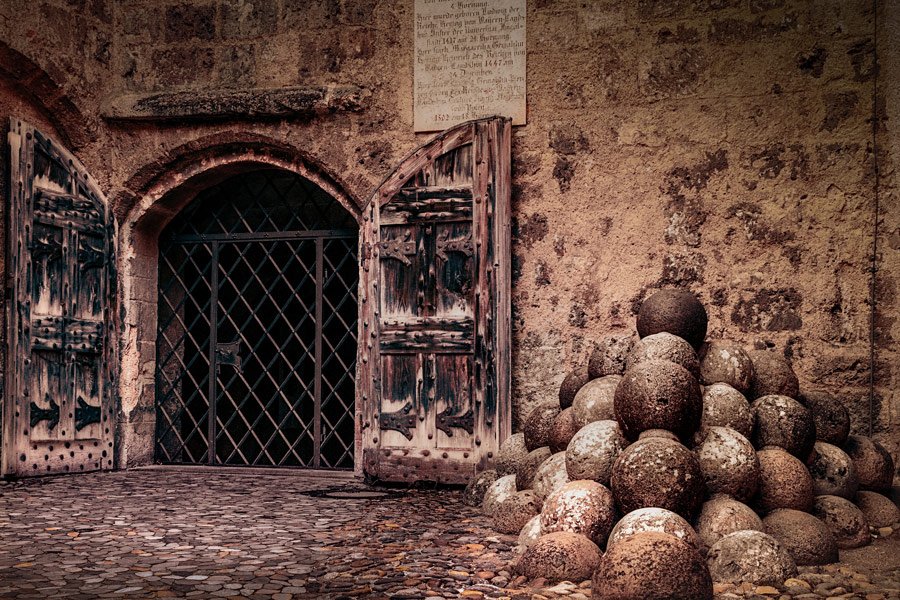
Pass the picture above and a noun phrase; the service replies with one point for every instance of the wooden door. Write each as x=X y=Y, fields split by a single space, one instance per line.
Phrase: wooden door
x=58 y=403
x=435 y=297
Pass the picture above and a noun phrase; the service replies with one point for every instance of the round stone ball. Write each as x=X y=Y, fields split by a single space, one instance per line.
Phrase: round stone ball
x=571 y=384
x=729 y=464
x=595 y=400
x=474 y=493
x=832 y=472
x=528 y=468
x=784 y=482
x=874 y=466
x=530 y=532
x=498 y=491
x=722 y=361
x=550 y=476
x=564 y=428
x=805 y=537
x=847 y=523
x=653 y=519
x=664 y=346
x=879 y=510
x=784 y=422
x=831 y=417
x=724 y=406
x=658 y=394
x=658 y=472
x=772 y=374
x=658 y=433
x=515 y=510
x=538 y=425
x=678 y=312
x=652 y=566
x=609 y=355
x=580 y=506
x=511 y=453
x=559 y=556
x=750 y=556
x=593 y=450
x=721 y=515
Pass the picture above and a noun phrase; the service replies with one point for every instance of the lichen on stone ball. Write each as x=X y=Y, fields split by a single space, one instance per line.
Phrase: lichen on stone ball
x=653 y=519
x=609 y=355
x=772 y=375
x=593 y=450
x=511 y=453
x=728 y=462
x=595 y=400
x=832 y=471
x=580 y=506
x=844 y=519
x=874 y=465
x=514 y=510
x=573 y=381
x=563 y=429
x=539 y=423
x=723 y=361
x=558 y=556
x=879 y=510
x=721 y=515
x=658 y=394
x=475 y=490
x=784 y=422
x=806 y=538
x=498 y=491
x=550 y=476
x=664 y=346
x=784 y=482
x=831 y=417
x=750 y=556
x=529 y=466
x=678 y=312
x=724 y=406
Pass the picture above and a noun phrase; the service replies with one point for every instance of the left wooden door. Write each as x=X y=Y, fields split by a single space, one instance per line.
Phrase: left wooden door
x=59 y=393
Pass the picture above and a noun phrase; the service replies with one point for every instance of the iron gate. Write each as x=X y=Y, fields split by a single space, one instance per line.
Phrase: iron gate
x=256 y=339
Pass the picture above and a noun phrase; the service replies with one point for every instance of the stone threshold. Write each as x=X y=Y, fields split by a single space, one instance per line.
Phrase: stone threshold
x=332 y=476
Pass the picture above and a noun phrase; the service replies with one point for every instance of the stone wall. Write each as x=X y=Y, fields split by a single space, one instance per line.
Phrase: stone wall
x=727 y=146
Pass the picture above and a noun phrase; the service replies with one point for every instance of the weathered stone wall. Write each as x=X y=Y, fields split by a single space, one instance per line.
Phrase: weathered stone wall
x=727 y=146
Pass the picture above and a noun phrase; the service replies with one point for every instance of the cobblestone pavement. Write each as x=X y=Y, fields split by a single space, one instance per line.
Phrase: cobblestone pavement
x=176 y=533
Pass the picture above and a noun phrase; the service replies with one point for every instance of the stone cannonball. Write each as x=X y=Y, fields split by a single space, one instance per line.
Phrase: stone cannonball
x=879 y=510
x=473 y=495
x=658 y=472
x=772 y=374
x=594 y=401
x=750 y=556
x=511 y=453
x=559 y=556
x=784 y=422
x=721 y=515
x=653 y=519
x=729 y=464
x=831 y=417
x=580 y=506
x=538 y=425
x=832 y=471
x=571 y=384
x=564 y=428
x=805 y=537
x=498 y=491
x=593 y=450
x=678 y=312
x=658 y=394
x=784 y=482
x=530 y=532
x=659 y=433
x=652 y=566
x=847 y=523
x=550 y=476
x=664 y=346
x=609 y=355
x=529 y=466
x=724 y=406
x=514 y=511
x=874 y=466
x=726 y=362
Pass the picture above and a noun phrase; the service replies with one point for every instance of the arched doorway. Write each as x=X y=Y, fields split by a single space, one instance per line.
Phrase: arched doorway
x=256 y=331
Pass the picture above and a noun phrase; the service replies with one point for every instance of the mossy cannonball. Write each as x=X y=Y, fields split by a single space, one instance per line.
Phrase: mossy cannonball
x=563 y=429
x=805 y=537
x=879 y=510
x=772 y=374
x=593 y=450
x=530 y=532
x=474 y=493
x=511 y=453
x=497 y=492
x=724 y=406
x=722 y=361
x=595 y=400
x=831 y=417
x=832 y=471
x=528 y=468
x=750 y=556
x=571 y=384
x=874 y=465
x=784 y=422
x=678 y=312
x=658 y=472
x=664 y=346
x=653 y=519
x=658 y=394
x=729 y=464
x=550 y=476
x=844 y=519
x=580 y=506
x=514 y=511
x=559 y=556
x=784 y=482
x=609 y=355
x=538 y=425
x=721 y=515
x=652 y=566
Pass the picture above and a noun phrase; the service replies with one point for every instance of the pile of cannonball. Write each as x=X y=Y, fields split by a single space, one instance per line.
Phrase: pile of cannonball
x=672 y=462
